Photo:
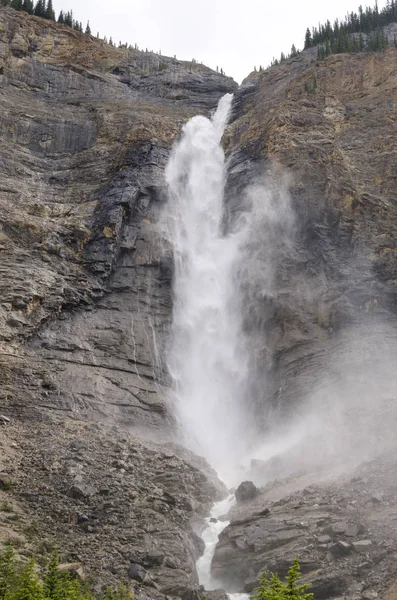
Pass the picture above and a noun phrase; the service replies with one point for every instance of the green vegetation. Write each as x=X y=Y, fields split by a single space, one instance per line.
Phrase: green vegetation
x=6 y=507
x=368 y=21
x=22 y=581
x=272 y=588
x=44 y=9
x=358 y=32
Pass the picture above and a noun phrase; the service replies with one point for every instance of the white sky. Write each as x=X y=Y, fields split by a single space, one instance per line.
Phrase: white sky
x=233 y=34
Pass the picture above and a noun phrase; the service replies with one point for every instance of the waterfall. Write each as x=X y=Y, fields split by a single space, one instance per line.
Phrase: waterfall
x=207 y=358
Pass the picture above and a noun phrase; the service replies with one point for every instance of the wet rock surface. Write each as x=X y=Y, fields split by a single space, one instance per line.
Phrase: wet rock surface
x=346 y=543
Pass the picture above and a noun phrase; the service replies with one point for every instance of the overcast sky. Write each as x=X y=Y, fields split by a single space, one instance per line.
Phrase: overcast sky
x=232 y=34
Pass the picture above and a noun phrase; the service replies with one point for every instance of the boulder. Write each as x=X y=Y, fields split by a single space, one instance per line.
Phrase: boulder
x=216 y=595
x=246 y=491
x=362 y=546
x=74 y=569
x=136 y=572
x=81 y=491
x=340 y=549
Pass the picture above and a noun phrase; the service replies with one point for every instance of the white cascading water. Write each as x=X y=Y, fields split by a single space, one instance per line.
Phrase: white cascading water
x=207 y=358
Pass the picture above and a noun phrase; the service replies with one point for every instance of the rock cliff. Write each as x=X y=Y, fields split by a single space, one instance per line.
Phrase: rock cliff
x=318 y=139
x=85 y=303
x=86 y=130
x=330 y=128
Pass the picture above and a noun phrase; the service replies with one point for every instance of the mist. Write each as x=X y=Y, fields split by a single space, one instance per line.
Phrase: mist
x=235 y=260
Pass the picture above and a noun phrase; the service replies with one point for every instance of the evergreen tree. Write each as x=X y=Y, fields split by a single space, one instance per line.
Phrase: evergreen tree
x=52 y=576
x=61 y=17
x=49 y=11
x=69 y=18
x=308 y=39
x=28 y=586
x=88 y=29
x=27 y=6
x=39 y=9
x=7 y=571
x=327 y=48
x=16 y=4
x=274 y=589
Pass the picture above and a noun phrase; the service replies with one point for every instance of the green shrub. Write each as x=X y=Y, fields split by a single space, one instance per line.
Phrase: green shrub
x=272 y=588
x=21 y=581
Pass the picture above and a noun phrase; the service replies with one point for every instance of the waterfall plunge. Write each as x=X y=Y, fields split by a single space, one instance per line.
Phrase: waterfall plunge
x=207 y=360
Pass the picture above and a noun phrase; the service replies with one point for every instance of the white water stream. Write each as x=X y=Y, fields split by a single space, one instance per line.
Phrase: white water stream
x=207 y=358
x=210 y=536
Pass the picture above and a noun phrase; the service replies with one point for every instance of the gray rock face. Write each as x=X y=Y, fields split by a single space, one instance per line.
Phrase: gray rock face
x=321 y=320
x=86 y=131
x=317 y=524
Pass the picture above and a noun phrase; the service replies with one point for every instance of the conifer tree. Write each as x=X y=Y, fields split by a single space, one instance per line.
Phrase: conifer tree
x=274 y=589
x=27 y=6
x=39 y=9
x=7 y=571
x=29 y=586
x=49 y=11
x=88 y=29
x=69 y=18
x=52 y=576
x=16 y=4
x=308 y=39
